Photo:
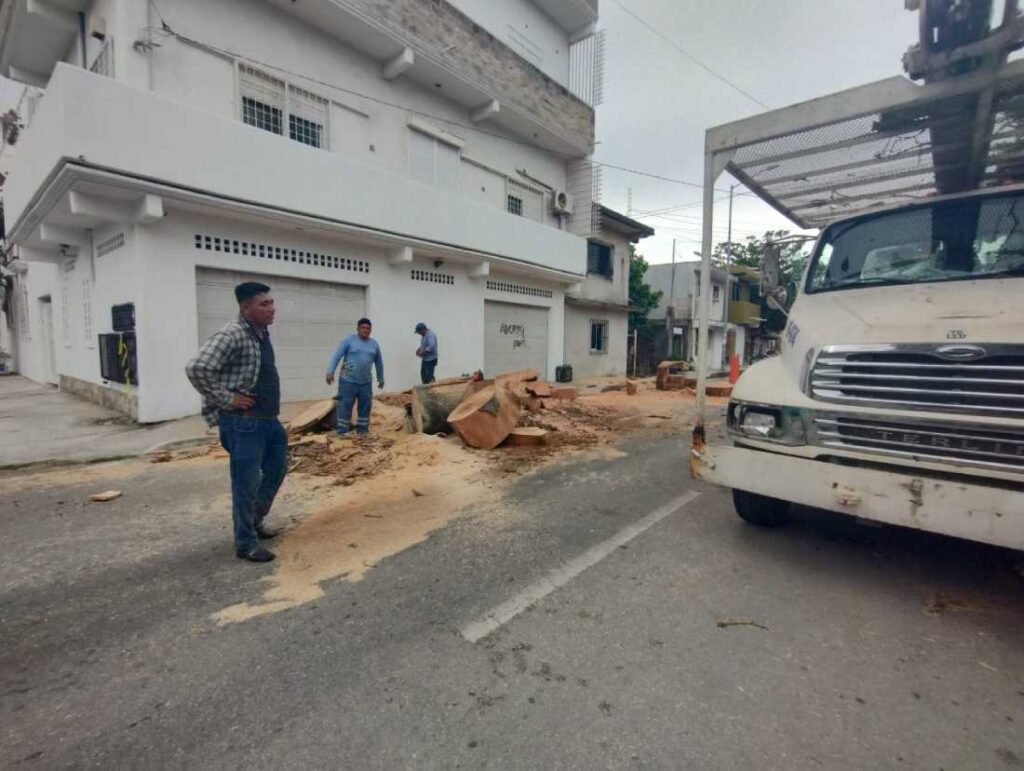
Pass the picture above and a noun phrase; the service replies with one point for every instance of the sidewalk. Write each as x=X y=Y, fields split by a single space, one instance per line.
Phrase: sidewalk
x=38 y=423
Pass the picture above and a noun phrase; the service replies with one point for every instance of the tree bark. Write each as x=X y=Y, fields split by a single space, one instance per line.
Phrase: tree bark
x=431 y=405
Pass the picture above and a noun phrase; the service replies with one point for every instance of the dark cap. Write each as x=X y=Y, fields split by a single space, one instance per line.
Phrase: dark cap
x=420 y=326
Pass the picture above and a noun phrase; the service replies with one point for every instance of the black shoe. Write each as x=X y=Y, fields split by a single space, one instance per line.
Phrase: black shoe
x=256 y=554
x=265 y=533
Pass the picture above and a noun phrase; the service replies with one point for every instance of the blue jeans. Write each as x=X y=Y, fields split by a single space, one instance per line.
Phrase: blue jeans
x=348 y=394
x=427 y=370
x=259 y=460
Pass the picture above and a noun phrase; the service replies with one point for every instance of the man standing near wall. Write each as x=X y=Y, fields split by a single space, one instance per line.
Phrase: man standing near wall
x=237 y=377
x=361 y=355
x=427 y=353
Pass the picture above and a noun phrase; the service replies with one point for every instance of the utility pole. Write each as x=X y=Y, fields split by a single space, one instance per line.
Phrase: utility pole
x=670 y=313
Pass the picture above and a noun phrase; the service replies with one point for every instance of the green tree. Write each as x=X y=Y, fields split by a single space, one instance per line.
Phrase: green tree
x=641 y=296
x=751 y=254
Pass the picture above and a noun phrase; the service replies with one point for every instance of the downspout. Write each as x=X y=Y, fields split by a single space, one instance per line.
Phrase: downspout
x=81 y=38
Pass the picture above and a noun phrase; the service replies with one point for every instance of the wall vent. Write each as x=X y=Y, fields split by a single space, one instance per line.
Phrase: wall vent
x=529 y=291
x=279 y=253
x=432 y=277
x=111 y=244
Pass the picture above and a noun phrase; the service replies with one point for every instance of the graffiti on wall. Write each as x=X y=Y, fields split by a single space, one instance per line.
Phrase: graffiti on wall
x=517 y=332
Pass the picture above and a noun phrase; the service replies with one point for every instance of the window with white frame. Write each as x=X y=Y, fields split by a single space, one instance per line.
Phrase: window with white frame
x=598 y=336
x=432 y=160
x=524 y=200
x=715 y=293
x=273 y=105
x=514 y=204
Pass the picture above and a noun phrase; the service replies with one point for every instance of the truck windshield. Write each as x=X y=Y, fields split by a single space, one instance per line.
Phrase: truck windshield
x=970 y=238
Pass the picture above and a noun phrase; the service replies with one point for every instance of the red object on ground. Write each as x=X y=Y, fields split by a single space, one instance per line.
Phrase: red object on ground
x=734 y=368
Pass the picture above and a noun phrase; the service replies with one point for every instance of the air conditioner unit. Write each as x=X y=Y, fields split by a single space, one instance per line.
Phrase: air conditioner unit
x=561 y=202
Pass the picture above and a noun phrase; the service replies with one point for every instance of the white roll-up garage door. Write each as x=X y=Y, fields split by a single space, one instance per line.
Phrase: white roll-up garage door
x=312 y=317
x=515 y=337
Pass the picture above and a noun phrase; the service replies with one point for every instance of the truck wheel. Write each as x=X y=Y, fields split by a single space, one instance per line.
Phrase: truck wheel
x=760 y=509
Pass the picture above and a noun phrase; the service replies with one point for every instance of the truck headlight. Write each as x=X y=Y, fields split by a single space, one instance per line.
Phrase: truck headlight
x=766 y=422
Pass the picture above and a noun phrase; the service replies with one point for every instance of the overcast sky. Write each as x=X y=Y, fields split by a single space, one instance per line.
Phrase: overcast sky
x=657 y=103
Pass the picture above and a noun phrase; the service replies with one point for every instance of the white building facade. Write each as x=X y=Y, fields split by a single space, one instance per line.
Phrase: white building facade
x=409 y=161
x=597 y=312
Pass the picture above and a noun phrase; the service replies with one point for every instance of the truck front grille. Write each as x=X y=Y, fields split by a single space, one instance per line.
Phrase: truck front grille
x=923 y=377
x=962 y=445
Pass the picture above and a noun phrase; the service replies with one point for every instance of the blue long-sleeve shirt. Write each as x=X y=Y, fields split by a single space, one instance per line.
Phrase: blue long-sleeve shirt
x=429 y=346
x=360 y=357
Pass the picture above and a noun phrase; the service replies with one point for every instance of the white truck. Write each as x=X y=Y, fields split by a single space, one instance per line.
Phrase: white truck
x=898 y=394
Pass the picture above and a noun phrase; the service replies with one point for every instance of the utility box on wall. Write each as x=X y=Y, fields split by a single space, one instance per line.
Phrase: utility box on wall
x=118 y=362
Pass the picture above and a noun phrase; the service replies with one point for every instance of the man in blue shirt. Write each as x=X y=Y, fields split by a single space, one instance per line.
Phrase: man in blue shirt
x=427 y=352
x=361 y=355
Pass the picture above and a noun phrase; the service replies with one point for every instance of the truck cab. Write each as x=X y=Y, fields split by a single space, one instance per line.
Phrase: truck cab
x=898 y=394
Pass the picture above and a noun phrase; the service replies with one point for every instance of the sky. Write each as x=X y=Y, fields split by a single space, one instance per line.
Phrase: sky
x=658 y=103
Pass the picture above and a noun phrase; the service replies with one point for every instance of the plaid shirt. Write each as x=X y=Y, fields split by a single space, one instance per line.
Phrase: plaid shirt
x=227 y=363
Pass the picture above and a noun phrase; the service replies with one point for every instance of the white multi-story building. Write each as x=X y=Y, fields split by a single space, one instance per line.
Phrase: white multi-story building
x=414 y=160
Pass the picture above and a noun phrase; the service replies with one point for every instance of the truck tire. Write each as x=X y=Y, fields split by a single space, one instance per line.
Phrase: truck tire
x=760 y=509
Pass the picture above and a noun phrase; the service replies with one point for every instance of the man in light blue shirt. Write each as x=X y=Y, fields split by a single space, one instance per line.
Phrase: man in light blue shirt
x=427 y=352
x=361 y=355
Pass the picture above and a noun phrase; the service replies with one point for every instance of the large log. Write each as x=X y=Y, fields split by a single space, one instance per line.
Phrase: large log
x=518 y=376
x=485 y=419
x=311 y=416
x=431 y=405
x=527 y=436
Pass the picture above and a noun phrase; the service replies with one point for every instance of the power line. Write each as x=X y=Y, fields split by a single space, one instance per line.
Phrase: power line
x=692 y=58
x=656 y=176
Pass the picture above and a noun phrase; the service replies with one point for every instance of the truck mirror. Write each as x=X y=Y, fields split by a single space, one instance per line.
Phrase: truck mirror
x=770 y=267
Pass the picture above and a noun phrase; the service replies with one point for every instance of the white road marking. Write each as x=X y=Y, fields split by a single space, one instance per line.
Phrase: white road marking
x=558 y=578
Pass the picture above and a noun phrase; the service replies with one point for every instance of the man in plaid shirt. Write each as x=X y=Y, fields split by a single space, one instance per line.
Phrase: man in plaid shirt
x=237 y=377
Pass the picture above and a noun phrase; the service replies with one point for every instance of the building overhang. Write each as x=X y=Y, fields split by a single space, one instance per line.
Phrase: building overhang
x=625 y=226
x=573 y=16
x=35 y=35
x=456 y=73
x=77 y=197
x=584 y=302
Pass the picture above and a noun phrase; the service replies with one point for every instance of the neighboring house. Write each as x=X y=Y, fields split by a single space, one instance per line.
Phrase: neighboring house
x=597 y=312
x=414 y=160
x=734 y=316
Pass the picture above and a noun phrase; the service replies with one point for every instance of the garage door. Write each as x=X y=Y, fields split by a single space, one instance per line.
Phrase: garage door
x=515 y=337
x=312 y=317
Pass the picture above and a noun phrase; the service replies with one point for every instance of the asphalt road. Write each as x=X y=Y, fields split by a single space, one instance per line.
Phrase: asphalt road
x=880 y=648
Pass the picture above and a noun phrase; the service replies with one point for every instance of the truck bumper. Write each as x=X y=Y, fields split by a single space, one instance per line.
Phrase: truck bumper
x=962 y=509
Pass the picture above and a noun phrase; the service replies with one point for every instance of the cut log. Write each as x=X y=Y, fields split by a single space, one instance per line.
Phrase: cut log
x=631 y=387
x=311 y=416
x=431 y=405
x=539 y=388
x=563 y=393
x=519 y=376
x=718 y=389
x=107 y=495
x=533 y=404
x=485 y=418
x=527 y=436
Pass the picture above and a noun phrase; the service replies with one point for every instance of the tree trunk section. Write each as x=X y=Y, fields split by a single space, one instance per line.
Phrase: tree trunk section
x=431 y=405
x=486 y=418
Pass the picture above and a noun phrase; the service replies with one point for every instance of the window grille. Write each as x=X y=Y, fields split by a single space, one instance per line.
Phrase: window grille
x=432 y=277
x=524 y=200
x=113 y=243
x=529 y=291
x=23 y=315
x=598 y=336
x=209 y=243
x=266 y=101
x=87 y=311
x=586 y=68
x=103 y=64
x=65 y=317
x=599 y=259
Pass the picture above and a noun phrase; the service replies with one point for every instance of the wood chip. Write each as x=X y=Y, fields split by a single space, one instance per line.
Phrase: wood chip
x=107 y=495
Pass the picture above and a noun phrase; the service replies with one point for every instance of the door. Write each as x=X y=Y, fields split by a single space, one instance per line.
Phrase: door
x=49 y=346
x=515 y=337
x=312 y=317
